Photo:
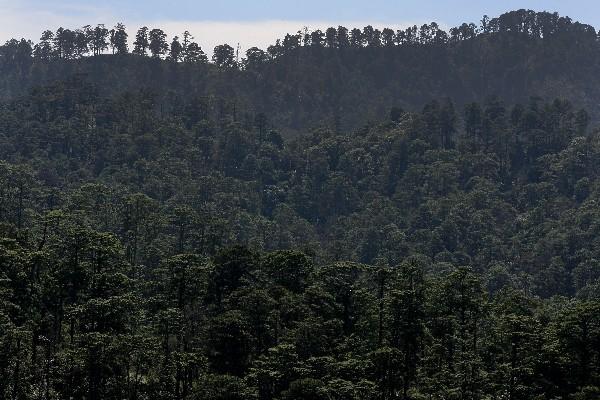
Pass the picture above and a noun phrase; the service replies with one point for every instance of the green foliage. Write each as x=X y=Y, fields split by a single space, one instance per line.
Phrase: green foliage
x=186 y=236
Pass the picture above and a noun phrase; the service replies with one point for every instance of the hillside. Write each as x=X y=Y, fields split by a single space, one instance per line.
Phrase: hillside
x=342 y=78
x=346 y=221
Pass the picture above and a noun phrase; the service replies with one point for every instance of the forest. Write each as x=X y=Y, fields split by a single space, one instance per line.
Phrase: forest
x=352 y=214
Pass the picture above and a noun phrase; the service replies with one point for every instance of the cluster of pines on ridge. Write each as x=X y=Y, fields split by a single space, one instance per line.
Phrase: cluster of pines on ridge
x=352 y=214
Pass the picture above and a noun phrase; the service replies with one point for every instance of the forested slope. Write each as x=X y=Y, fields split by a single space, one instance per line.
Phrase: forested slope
x=341 y=77
x=165 y=243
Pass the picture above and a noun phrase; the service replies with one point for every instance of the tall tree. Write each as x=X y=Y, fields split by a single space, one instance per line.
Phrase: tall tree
x=140 y=46
x=157 y=43
x=342 y=37
x=224 y=56
x=44 y=49
x=98 y=39
x=64 y=43
x=118 y=39
x=176 y=50
x=194 y=54
x=388 y=37
x=255 y=57
x=356 y=38
x=331 y=38
x=191 y=52
x=82 y=42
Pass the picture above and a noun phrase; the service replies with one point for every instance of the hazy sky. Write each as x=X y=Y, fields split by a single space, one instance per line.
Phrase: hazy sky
x=260 y=22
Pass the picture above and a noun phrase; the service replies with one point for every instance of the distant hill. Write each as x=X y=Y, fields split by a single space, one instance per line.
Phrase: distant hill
x=342 y=78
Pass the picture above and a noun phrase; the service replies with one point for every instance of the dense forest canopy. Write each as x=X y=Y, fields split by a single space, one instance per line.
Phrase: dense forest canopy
x=349 y=214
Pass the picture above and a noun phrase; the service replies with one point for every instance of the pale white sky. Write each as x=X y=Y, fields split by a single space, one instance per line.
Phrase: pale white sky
x=15 y=24
x=259 y=22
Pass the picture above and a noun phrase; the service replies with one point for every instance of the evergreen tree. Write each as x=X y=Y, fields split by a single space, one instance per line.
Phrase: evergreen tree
x=157 y=43
x=141 y=44
x=118 y=39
